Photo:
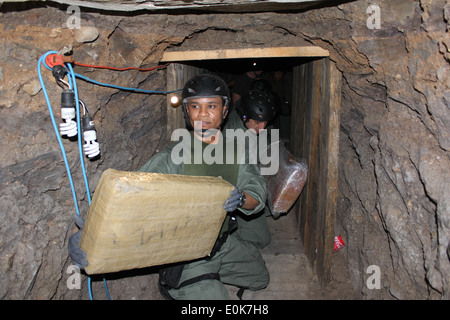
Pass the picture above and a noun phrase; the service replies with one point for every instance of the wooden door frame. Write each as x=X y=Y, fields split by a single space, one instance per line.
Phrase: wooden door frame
x=317 y=102
x=178 y=73
x=316 y=105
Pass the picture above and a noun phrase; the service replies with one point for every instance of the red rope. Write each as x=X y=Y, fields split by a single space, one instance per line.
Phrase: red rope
x=56 y=59
x=120 y=69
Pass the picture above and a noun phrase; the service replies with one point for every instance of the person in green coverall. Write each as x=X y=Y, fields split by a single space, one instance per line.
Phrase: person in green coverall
x=254 y=112
x=205 y=101
x=239 y=263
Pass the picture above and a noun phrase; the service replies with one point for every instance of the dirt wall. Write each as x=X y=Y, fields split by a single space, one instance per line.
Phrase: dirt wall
x=393 y=207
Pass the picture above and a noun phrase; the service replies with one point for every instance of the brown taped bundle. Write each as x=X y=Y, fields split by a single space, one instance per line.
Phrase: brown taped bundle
x=139 y=219
x=284 y=187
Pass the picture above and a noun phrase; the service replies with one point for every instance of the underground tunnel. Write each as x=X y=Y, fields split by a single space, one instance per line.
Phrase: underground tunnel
x=369 y=113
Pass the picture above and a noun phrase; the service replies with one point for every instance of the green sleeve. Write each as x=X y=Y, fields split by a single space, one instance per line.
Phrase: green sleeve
x=251 y=182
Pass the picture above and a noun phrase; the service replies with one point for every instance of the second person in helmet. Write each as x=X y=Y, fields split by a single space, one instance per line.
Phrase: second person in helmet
x=254 y=112
x=257 y=109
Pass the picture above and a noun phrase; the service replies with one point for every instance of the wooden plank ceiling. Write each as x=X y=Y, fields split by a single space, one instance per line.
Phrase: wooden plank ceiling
x=276 y=52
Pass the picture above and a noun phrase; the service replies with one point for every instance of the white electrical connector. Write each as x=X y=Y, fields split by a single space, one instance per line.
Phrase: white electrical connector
x=91 y=147
x=68 y=127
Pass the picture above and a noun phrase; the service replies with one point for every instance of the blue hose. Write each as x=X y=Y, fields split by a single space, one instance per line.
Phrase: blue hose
x=83 y=168
x=55 y=127
x=80 y=144
x=123 y=88
x=113 y=85
x=72 y=80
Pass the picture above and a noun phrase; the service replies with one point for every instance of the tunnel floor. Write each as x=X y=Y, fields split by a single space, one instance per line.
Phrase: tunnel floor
x=291 y=276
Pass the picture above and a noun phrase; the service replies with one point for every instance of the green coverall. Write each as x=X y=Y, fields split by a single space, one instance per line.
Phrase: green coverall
x=251 y=228
x=238 y=262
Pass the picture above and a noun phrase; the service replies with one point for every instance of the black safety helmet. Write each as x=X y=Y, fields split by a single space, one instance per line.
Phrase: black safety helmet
x=203 y=86
x=258 y=105
x=261 y=84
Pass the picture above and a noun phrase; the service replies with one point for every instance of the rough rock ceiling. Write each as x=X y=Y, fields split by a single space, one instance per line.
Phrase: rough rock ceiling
x=203 y=5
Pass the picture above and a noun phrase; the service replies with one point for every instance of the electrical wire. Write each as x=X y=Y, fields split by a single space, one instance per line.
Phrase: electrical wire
x=124 y=88
x=48 y=60
x=85 y=110
x=55 y=127
x=71 y=83
x=80 y=146
x=83 y=168
x=119 y=69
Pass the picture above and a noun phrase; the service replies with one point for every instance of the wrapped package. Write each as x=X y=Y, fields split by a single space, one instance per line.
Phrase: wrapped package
x=139 y=219
x=284 y=187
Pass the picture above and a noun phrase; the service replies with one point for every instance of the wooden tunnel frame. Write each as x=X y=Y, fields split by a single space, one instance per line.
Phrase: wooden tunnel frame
x=315 y=122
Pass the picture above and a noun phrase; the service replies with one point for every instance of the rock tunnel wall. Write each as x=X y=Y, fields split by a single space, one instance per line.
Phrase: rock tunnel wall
x=393 y=202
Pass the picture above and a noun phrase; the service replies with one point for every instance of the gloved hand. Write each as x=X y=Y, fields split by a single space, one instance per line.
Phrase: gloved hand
x=76 y=254
x=232 y=203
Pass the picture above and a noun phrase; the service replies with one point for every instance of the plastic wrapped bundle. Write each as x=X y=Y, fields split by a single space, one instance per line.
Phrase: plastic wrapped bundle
x=139 y=219
x=284 y=187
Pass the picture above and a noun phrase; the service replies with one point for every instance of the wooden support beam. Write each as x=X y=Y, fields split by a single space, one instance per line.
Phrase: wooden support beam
x=315 y=126
x=177 y=75
x=242 y=53
x=331 y=191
